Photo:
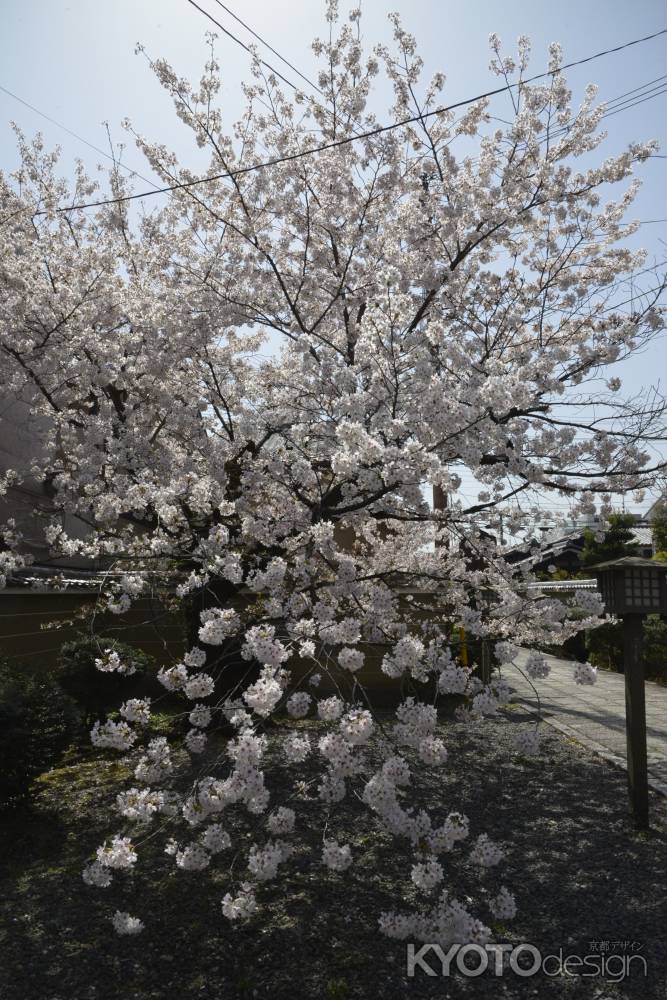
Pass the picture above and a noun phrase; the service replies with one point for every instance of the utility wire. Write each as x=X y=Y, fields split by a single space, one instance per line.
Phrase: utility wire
x=69 y=131
x=638 y=92
x=653 y=268
x=130 y=170
x=623 y=106
x=612 y=106
x=642 y=86
x=270 y=47
x=42 y=614
x=634 y=103
x=247 y=48
x=633 y=298
x=560 y=132
x=337 y=143
x=242 y=44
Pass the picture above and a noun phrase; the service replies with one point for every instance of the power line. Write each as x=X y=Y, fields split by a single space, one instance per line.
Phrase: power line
x=247 y=48
x=270 y=47
x=242 y=44
x=640 y=94
x=631 y=276
x=619 y=104
x=60 y=125
x=624 y=106
x=633 y=298
x=614 y=106
x=336 y=143
x=646 y=89
x=42 y=614
x=643 y=86
x=597 y=55
x=634 y=104
x=24 y=635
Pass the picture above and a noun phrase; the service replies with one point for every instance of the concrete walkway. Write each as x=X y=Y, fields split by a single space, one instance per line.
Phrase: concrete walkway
x=595 y=715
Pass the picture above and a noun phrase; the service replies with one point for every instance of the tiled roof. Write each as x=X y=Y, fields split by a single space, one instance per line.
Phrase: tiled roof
x=642 y=535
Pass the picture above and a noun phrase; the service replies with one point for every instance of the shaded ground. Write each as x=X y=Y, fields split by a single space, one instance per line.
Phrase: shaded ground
x=584 y=881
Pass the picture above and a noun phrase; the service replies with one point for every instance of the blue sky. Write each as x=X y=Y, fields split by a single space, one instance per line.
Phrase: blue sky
x=75 y=61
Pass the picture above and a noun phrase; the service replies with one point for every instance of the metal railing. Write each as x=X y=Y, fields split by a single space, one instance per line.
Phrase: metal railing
x=559 y=585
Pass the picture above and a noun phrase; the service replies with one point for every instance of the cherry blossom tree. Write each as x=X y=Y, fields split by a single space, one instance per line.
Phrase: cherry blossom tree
x=243 y=388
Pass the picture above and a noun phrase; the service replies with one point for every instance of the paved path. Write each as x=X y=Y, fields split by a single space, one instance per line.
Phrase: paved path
x=595 y=715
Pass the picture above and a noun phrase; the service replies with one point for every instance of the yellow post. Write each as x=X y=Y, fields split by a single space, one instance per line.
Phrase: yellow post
x=463 y=655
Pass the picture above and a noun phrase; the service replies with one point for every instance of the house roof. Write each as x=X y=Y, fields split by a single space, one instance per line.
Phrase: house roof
x=650 y=513
x=643 y=535
x=572 y=541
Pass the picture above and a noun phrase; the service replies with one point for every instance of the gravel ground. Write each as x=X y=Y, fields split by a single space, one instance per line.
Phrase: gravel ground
x=584 y=881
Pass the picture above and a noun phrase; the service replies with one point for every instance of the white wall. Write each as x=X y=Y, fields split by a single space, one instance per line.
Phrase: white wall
x=28 y=503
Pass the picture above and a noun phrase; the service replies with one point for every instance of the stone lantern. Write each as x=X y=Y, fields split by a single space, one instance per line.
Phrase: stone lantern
x=633 y=586
x=631 y=589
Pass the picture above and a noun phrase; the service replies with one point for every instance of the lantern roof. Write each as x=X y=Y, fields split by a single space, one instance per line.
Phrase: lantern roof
x=630 y=562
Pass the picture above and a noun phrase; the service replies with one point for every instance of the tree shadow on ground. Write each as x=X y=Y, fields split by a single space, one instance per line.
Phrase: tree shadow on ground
x=580 y=873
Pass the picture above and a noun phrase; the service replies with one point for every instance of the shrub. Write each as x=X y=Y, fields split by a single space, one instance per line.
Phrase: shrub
x=605 y=646
x=37 y=723
x=574 y=648
x=655 y=648
x=659 y=528
x=98 y=692
x=617 y=542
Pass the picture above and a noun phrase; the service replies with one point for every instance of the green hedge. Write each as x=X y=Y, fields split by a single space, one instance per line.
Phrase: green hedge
x=655 y=648
x=38 y=721
x=95 y=691
x=605 y=647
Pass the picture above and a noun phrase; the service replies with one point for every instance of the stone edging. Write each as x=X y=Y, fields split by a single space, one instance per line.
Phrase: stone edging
x=657 y=786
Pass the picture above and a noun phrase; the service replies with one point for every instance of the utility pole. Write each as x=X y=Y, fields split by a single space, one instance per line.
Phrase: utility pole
x=439 y=503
